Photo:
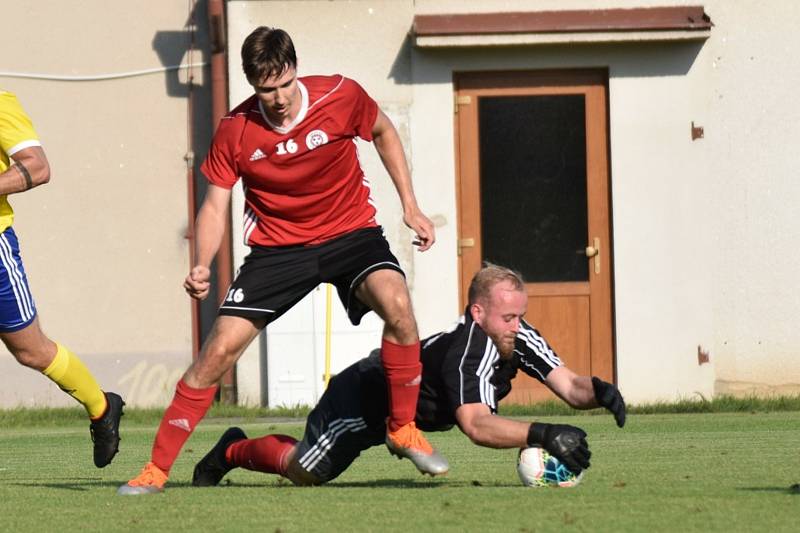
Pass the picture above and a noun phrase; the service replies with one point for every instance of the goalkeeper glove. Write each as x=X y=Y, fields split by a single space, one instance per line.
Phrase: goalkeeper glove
x=608 y=396
x=565 y=443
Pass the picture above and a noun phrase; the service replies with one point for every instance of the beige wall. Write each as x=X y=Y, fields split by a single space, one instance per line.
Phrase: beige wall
x=103 y=243
x=658 y=324
x=704 y=233
x=754 y=127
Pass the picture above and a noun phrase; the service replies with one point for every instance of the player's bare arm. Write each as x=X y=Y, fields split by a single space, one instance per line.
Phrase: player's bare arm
x=574 y=389
x=30 y=169
x=209 y=228
x=585 y=392
x=390 y=148
x=567 y=443
x=483 y=428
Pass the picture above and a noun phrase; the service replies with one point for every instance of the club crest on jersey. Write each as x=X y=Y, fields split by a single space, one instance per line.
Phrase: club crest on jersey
x=316 y=138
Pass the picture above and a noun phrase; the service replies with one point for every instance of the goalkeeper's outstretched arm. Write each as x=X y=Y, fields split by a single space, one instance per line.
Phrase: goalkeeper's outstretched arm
x=483 y=428
x=567 y=443
x=585 y=392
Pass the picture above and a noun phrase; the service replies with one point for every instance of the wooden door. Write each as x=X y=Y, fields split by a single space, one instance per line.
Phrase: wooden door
x=532 y=152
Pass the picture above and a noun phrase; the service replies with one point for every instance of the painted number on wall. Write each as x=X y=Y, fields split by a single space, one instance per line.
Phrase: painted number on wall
x=150 y=384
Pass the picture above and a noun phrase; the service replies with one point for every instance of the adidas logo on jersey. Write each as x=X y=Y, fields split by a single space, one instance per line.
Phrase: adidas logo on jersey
x=181 y=423
x=258 y=154
x=414 y=382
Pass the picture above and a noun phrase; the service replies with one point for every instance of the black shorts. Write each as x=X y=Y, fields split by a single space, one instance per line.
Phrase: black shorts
x=338 y=429
x=272 y=280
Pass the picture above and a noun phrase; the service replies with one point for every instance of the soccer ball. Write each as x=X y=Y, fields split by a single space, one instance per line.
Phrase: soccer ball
x=537 y=468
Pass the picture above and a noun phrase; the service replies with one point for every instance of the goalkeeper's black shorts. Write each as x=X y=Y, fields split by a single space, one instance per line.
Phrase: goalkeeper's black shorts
x=337 y=430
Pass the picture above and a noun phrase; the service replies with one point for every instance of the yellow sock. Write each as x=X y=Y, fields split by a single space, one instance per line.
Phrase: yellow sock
x=72 y=376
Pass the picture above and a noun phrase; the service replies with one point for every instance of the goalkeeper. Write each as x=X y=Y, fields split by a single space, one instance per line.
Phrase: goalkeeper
x=466 y=372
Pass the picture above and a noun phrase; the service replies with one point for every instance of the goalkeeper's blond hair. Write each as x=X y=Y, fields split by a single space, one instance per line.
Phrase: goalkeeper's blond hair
x=489 y=276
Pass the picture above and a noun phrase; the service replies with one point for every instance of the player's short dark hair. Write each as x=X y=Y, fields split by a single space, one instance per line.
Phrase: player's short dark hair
x=267 y=52
x=489 y=276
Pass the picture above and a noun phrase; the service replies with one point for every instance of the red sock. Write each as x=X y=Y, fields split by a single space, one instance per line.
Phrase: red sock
x=188 y=407
x=267 y=454
x=403 y=375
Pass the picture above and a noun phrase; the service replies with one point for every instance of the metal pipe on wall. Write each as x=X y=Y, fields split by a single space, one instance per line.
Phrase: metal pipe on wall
x=191 y=201
x=219 y=106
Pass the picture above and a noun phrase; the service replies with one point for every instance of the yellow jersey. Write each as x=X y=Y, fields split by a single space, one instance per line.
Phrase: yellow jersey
x=16 y=133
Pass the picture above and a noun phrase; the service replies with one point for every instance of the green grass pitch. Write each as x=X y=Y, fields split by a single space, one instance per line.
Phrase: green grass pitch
x=663 y=472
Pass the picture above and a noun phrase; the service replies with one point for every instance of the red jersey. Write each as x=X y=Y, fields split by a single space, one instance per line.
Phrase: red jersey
x=303 y=184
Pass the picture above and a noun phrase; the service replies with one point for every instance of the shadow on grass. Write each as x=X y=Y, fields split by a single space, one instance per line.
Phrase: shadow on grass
x=378 y=483
x=84 y=484
x=386 y=484
x=794 y=490
x=411 y=484
x=74 y=484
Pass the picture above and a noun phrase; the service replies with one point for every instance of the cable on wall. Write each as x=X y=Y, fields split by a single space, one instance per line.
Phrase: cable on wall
x=99 y=77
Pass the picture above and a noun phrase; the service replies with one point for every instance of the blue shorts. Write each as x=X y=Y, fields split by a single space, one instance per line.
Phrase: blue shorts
x=17 y=309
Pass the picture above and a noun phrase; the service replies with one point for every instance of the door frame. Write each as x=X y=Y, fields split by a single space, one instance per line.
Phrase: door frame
x=593 y=83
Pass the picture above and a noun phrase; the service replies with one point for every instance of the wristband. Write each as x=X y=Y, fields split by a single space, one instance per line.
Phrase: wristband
x=536 y=434
x=597 y=385
x=25 y=175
